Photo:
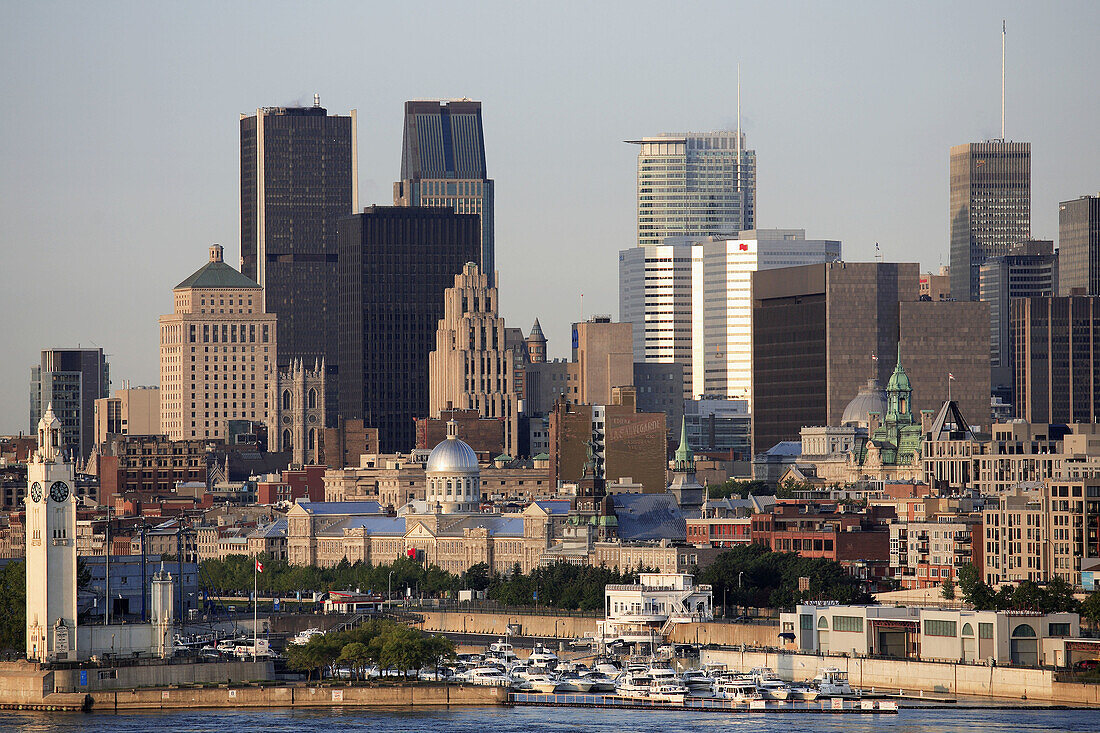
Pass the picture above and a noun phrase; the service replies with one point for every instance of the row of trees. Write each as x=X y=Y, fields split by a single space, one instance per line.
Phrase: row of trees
x=1055 y=596
x=753 y=575
x=13 y=607
x=564 y=586
x=380 y=643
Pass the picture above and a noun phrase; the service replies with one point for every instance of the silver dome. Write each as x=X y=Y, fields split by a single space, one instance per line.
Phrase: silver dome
x=453 y=456
x=871 y=398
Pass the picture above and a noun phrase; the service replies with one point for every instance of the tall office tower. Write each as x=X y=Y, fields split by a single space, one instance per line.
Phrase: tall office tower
x=603 y=359
x=217 y=353
x=395 y=264
x=131 y=411
x=820 y=331
x=1030 y=269
x=299 y=177
x=1079 y=246
x=722 y=302
x=71 y=380
x=1057 y=344
x=471 y=366
x=990 y=207
x=443 y=164
x=694 y=185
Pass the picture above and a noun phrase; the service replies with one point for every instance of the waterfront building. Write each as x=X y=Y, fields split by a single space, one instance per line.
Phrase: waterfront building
x=395 y=264
x=1079 y=246
x=443 y=164
x=1057 y=343
x=218 y=353
x=471 y=367
x=990 y=208
x=641 y=612
x=299 y=177
x=694 y=185
x=131 y=411
x=1030 y=269
x=1021 y=638
x=924 y=554
x=71 y=380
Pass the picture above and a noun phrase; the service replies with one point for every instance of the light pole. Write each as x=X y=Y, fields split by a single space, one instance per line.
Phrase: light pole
x=389 y=588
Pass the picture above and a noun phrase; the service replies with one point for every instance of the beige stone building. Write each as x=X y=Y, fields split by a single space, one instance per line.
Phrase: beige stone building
x=296 y=418
x=217 y=353
x=131 y=411
x=471 y=366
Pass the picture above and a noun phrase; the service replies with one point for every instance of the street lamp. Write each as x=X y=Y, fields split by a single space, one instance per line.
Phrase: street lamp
x=389 y=588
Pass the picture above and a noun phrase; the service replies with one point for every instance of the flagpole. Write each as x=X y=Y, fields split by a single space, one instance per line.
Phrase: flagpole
x=255 y=600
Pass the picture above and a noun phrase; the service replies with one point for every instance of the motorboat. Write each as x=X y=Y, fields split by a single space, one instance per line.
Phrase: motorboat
x=833 y=682
x=769 y=684
x=489 y=675
x=696 y=680
x=668 y=692
x=741 y=691
x=803 y=693
x=303 y=637
x=634 y=684
x=540 y=683
x=600 y=681
x=542 y=657
x=573 y=683
x=502 y=651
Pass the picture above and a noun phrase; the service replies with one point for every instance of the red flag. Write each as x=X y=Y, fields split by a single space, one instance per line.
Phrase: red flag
x=259 y=566
x=744 y=247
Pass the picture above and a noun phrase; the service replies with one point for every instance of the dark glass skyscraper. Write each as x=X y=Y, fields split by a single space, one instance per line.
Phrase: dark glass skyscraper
x=1079 y=246
x=298 y=179
x=71 y=380
x=990 y=208
x=443 y=164
x=395 y=264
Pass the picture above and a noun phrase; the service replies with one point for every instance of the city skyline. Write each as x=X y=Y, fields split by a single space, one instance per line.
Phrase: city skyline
x=852 y=133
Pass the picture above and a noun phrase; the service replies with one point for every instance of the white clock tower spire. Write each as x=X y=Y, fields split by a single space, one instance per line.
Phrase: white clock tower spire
x=51 y=547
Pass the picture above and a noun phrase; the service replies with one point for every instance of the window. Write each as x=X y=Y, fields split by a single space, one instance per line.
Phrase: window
x=968 y=630
x=823 y=623
x=1059 y=630
x=937 y=627
x=1023 y=630
x=847 y=623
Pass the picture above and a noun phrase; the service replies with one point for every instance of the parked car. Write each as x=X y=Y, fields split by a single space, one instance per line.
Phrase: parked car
x=1087 y=665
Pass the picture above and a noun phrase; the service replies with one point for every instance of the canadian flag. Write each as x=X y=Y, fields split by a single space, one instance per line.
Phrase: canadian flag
x=259 y=566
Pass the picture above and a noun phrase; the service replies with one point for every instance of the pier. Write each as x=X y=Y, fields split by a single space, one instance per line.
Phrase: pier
x=704 y=704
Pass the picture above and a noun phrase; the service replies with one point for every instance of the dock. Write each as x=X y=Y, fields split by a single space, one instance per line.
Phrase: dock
x=704 y=704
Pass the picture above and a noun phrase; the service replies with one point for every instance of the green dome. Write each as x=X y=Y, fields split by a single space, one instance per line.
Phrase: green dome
x=899 y=380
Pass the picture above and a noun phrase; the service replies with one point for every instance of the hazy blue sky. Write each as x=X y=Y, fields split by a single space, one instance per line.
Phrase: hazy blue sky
x=119 y=134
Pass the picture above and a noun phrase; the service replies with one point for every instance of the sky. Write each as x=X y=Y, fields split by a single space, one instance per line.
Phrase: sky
x=119 y=138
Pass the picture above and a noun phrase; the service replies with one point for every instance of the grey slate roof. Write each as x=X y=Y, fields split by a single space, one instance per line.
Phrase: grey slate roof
x=649 y=517
x=554 y=506
x=341 y=507
x=217 y=275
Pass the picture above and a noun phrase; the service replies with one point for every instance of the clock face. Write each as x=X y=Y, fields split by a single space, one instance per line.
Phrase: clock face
x=36 y=492
x=59 y=491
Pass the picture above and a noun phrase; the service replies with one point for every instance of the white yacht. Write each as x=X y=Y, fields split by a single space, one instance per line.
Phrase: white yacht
x=769 y=684
x=303 y=637
x=668 y=692
x=600 y=681
x=740 y=691
x=503 y=652
x=833 y=682
x=696 y=680
x=573 y=683
x=634 y=684
x=538 y=682
x=489 y=675
x=542 y=657
x=803 y=692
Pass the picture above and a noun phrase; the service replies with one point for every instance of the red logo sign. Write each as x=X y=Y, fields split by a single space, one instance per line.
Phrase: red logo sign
x=744 y=248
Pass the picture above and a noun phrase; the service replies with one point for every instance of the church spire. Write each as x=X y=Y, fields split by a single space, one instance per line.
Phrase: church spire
x=685 y=458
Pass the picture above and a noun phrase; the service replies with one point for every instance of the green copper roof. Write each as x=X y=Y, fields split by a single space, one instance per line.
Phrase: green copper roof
x=684 y=456
x=899 y=380
x=217 y=275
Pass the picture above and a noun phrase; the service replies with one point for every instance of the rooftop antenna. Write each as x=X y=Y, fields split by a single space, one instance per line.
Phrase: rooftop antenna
x=316 y=100
x=738 y=124
x=1003 y=29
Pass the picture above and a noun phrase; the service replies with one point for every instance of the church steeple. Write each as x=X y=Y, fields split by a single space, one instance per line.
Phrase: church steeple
x=685 y=458
x=899 y=395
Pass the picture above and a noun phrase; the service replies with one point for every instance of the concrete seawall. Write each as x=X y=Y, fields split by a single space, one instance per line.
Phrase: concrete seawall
x=934 y=677
x=496 y=623
x=265 y=696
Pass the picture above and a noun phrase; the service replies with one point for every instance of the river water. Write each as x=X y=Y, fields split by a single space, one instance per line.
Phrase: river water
x=556 y=720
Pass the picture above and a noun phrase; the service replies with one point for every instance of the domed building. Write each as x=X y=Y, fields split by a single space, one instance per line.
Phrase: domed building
x=871 y=398
x=453 y=476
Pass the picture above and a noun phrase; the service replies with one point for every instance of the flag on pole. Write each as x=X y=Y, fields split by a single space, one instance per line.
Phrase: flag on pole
x=951 y=376
x=259 y=566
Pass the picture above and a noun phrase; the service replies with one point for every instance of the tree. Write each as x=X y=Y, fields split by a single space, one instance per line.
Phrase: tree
x=974 y=590
x=357 y=656
x=947 y=589
x=1090 y=608
x=13 y=607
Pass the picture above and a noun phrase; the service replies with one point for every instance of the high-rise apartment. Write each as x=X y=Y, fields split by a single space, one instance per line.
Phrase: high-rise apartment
x=694 y=185
x=690 y=302
x=395 y=264
x=71 y=380
x=217 y=353
x=722 y=301
x=990 y=208
x=443 y=164
x=1057 y=345
x=471 y=367
x=299 y=177
x=1030 y=269
x=1079 y=246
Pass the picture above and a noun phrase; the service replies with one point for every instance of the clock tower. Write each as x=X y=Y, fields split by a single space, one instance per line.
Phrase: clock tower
x=51 y=547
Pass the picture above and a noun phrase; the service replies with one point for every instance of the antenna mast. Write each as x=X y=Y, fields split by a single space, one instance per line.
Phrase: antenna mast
x=1003 y=79
x=739 y=125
